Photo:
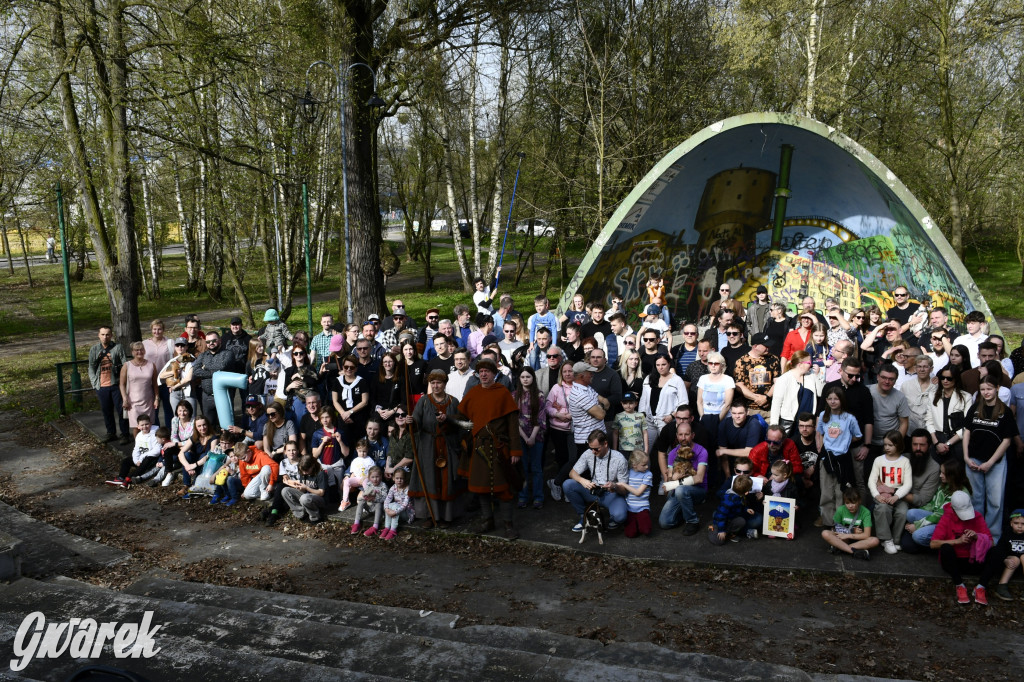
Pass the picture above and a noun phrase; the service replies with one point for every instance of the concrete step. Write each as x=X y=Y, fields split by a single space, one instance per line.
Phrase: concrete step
x=244 y=639
x=590 y=659
x=47 y=550
x=198 y=653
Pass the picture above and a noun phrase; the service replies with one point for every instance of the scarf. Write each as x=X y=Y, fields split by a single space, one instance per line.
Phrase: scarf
x=346 y=391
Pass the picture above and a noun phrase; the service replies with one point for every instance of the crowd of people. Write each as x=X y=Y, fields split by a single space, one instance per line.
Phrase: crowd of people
x=879 y=424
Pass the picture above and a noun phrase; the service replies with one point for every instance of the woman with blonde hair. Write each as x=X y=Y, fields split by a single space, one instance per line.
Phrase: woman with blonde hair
x=796 y=391
x=631 y=372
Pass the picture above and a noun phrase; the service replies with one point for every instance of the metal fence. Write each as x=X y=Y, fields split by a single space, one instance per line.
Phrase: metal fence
x=69 y=383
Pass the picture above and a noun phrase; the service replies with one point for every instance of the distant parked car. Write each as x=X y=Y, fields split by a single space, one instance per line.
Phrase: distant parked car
x=465 y=228
x=540 y=228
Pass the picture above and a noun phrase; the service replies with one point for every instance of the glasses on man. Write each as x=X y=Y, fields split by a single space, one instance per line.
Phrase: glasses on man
x=740 y=472
x=554 y=357
x=510 y=331
x=689 y=333
x=772 y=442
x=362 y=348
x=431 y=318
x=649 y=339
x=899 y=294
x=724 y=290
x=852 y=376
x=732 y=333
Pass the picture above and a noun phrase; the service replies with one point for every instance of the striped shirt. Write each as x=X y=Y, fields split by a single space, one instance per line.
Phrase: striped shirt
x=581 y=399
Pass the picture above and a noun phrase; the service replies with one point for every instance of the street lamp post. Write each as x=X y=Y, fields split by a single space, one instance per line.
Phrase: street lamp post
x=374 y=101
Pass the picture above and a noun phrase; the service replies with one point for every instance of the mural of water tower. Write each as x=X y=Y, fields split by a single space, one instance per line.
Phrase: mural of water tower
x=735 y=206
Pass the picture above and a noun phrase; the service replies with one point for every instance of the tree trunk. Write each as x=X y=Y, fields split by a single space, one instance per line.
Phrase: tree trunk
x=497 y=214
x=475 y=219
x=361 y=156
x=118 y=266
x=24 y=248
x=449 y=181
x=848 y=67
x=154 y=259
x=813 y=42
x=7 y=248
x=183 y=225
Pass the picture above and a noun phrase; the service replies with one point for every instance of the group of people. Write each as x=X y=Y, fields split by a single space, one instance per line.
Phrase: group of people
x=846 y=411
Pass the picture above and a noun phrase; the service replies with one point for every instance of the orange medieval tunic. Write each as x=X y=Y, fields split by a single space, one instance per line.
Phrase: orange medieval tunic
x=495 y=436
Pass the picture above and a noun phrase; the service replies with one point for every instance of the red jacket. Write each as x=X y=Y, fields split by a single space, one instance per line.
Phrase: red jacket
x=951 y=527
x=759 y=457
x=248 y=470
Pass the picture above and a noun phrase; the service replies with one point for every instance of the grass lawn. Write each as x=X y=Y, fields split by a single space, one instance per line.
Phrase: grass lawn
x=1001 y=283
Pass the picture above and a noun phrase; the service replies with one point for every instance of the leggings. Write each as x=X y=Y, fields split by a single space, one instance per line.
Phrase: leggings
x=378 y=512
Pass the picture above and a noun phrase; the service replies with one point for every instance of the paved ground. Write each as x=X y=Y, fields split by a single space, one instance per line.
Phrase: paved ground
x=792 y=606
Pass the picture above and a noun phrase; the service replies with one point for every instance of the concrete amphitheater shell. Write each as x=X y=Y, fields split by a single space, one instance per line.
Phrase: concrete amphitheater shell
x=705 y=215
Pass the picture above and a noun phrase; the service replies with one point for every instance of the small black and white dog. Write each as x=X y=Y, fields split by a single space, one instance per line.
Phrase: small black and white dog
x=594 y=519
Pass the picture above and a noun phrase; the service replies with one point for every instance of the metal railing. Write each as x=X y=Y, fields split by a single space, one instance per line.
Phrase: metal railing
x=73 y=388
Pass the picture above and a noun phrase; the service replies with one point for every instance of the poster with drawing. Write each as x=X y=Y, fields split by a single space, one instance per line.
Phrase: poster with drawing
x=780 y=517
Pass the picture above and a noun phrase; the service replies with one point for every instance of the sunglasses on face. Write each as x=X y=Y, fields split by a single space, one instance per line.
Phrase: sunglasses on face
x=732 y=333
x=945 y=377
x=650 y=338
x=853 y=377
x=271 y=414
x=898 y=294
x=432 y=318
x=689 y=333
x=740 y=472
x=715 y=364
x=630 y=343
x=772 y=442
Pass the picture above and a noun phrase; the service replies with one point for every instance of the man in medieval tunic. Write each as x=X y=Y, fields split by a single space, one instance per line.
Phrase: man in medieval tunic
x=492 y=463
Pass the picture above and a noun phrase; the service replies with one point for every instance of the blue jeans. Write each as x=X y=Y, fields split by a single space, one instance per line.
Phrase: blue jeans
x=111 y=406
x=680 y=506
x=988 y=494
x=533 y=471
x=579 y=497
x=923 y=535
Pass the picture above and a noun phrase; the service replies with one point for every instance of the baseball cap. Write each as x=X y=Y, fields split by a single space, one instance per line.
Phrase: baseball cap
x=1016 y=513
x=252 y=400
x=762 y=339
x=581 y=367
x=236 y=320
x=762 y=289
x=373 y=317
x=961 y=503
x=337 y=343
x=181 y=341
x=435 y=311
x=629 y=397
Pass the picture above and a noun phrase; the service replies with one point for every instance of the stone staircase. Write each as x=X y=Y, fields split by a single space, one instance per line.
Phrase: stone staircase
x=221 y=633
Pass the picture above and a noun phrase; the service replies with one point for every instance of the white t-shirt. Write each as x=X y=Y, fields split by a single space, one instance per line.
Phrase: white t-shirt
x=714 y=392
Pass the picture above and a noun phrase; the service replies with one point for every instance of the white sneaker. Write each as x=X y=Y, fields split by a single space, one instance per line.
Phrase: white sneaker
x=556 y=491
x=752 y=534
x=264 y=496
x=889 y=546
x=168 y=479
